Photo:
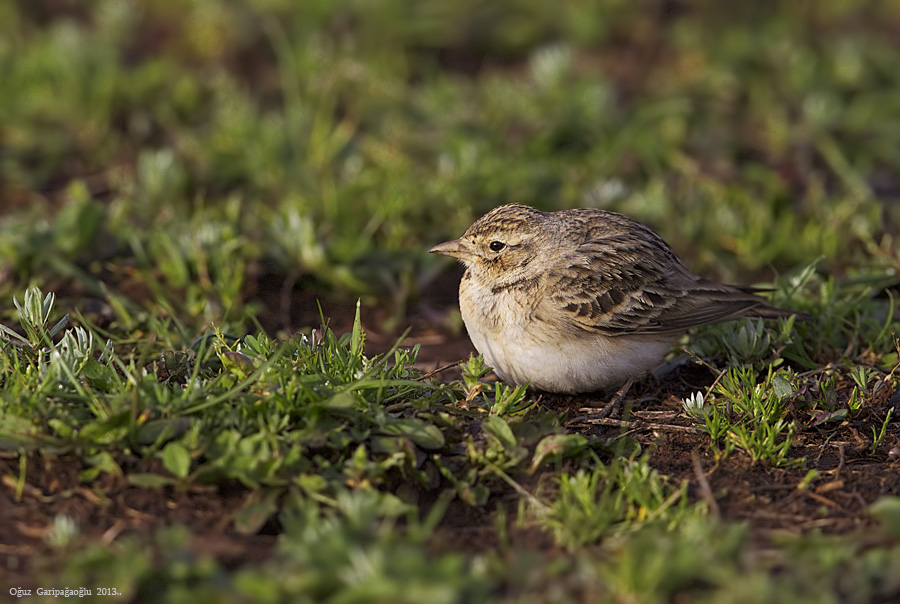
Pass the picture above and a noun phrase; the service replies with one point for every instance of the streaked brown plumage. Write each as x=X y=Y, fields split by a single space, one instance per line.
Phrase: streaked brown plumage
x=578 y=300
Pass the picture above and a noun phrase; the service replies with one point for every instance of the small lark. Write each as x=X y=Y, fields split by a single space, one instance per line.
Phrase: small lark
x=580 y=300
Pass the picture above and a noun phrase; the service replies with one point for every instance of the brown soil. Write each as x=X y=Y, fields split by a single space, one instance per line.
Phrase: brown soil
x=110 y=508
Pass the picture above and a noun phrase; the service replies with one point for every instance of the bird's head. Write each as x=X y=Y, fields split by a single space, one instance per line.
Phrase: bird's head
x=502 y=245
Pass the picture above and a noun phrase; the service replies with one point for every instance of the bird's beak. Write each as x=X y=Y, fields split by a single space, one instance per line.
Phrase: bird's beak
x=455 y=249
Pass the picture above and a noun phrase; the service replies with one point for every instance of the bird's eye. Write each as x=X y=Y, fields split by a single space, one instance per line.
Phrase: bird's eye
x=496 y=246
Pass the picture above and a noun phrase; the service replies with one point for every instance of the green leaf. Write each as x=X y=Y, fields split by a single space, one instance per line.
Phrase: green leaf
x=341 y=400
x=161 y=429
x=390 y=444
x=473 y=370
x=59 y=326
x=237 y=363
x=100 y=463
x=498 y=428
x=99 y=375
x=474 y=495
x=61 y=427
x=557 y=445
x=107 y=430
x=820 y=416
x=311 y=483
x=887 y=511
x=782 y=387
x=176 y=459
x=426 y=435
x=257 y=509
x=13 y=441
x=8 y=334
x=357 y=338
x=150 y=480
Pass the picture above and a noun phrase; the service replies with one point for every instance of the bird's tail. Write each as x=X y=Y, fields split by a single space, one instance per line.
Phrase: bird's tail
x=765 y=311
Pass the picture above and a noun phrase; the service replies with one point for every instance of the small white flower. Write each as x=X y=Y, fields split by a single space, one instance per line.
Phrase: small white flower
x=63 y=531
x=694 y=405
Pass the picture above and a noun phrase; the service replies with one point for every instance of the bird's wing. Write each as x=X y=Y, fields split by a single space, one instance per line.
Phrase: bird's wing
x=626 y=284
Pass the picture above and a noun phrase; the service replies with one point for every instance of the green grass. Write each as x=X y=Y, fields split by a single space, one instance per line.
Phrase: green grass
x=347 y=451
x=175 y=170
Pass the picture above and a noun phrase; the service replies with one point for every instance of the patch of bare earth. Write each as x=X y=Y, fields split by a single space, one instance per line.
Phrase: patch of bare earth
x=110 y=508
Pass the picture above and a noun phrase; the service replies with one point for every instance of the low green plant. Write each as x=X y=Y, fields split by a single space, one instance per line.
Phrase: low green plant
x=879 y=434
x=750 y=415
x=34 y=319
x=589 y=505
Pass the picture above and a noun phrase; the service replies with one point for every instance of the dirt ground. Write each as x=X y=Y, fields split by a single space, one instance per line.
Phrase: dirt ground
x=768 y=498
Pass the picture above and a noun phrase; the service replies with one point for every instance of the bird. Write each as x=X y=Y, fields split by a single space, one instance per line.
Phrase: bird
x=581 y=300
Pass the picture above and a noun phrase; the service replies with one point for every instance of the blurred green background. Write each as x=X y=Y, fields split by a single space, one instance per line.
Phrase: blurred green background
x=188 y=158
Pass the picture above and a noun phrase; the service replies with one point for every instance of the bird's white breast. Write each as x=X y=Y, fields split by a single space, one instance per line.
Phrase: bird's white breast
x=523 y=349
